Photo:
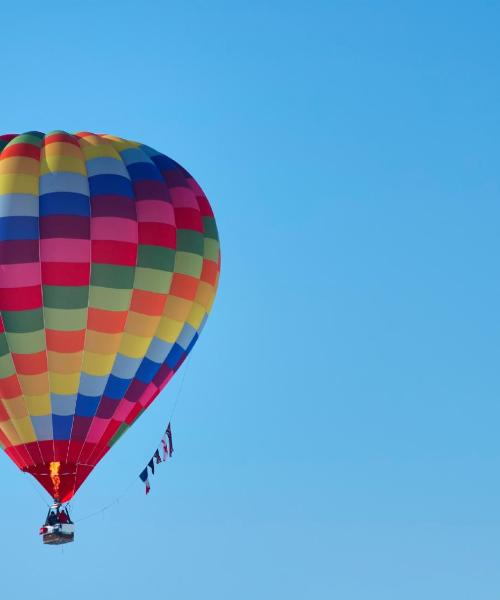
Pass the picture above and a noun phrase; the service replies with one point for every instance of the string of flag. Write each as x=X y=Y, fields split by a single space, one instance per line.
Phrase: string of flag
x=167 y=450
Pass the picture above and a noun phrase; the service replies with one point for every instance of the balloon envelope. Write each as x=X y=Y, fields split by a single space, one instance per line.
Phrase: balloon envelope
x=109 y=263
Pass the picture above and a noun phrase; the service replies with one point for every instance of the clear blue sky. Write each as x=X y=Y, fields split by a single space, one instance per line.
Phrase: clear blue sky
x=337 y=430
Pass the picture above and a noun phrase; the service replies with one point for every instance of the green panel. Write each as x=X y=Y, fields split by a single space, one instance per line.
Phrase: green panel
x=22 y=321
x=109 y=299
x=65 y=319
x=4 y=347
x=190 y=241
x=26 y=343
x=59 y=296
x=188 y=264
x=6 y=366
x=210 y=228
x=152 y=280
x=29 y=138
x=156 y=257
x=119 y=432
x=211 y=249
x=112 y=276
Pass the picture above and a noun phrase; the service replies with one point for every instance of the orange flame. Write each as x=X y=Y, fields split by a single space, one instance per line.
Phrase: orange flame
x=54 y=475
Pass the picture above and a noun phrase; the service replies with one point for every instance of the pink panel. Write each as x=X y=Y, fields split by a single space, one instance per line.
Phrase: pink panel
x=113 y=228
x=96 y=430
x=183 y=198
x=71 y=250
x=155 y=211
x=20 y=275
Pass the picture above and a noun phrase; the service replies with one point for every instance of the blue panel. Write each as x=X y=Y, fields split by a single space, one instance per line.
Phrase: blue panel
x=62 y=427
x=164 y=163
x=106 y=185
x=142 y=170
x=116 y=387
x=64 y=203
x=192 y=343
x=19 y=228
x=86 y=406
x=147 y=370
x=43 y=427
x=174 y=356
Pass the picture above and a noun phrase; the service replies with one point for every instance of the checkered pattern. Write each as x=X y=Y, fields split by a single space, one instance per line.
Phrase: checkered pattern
x=109 y=263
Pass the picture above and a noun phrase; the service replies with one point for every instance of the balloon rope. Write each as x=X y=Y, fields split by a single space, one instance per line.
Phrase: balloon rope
x=108 y=506
x=133 y=482
x=35 y=487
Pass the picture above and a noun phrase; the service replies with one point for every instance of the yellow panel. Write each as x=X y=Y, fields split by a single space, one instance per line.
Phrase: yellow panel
x=58 y=164
x=102 y=343
x=177 y=308
x=59 y=362
x=16 y=407
x=15 y=184
x=93 y=147
x=196 y=315
x=25 y=429
x=121 y=144
x=143 y=325
x=19 y=165
x=10 y=432
x=205 y=294
x=62 y=149
x=134 y=346
x=98 y=364
x=211 y=303
x=169 y=330
x=64 y=384
x=34 y=385
x=38 y=406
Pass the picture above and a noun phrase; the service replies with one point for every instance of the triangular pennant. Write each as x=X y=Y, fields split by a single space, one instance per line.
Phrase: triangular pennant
x=170 y=445
x=145 y=479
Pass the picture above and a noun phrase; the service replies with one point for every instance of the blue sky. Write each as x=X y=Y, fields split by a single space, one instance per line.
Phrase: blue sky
x=337 y=427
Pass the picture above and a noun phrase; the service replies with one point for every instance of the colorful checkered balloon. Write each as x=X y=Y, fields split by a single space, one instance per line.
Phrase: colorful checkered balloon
x=109 y=262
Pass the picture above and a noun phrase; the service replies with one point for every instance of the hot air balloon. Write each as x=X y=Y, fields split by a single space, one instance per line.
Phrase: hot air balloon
x=109 y=263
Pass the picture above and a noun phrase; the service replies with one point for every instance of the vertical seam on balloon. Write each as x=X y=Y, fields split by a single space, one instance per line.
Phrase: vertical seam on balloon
x=43 y=302
x=88 y=298
x=100 y=136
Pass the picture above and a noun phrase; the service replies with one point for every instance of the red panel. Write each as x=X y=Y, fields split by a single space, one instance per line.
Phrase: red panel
x=61 y=449
x=87 y=450
x=184 y=286
x=75 y=447
x=61 y=273
x=25 y=298
x=114 y=253
x=157 y=234
x=65 y=341
x=9 y=387
x=147 y=303
x=60 y=137
x=205 y=207
x=134 y=413
x=47 y=450
x=27 y=150
x=106 y=321
x=209 y=272
x=30 y=364
x=33 y=451
x=188 y=218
